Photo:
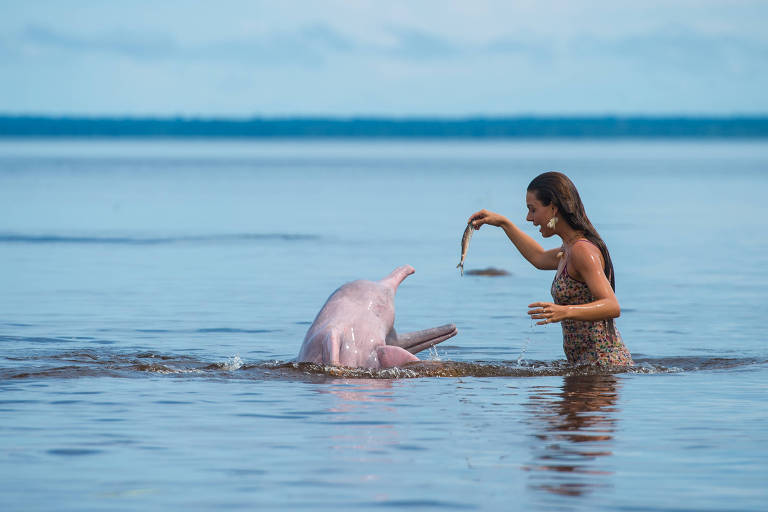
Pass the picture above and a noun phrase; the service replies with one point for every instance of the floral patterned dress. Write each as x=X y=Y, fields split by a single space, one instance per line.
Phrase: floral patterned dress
x=586 y=342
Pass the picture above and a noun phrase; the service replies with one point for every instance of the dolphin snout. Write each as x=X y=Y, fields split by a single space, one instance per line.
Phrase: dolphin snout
x=415 y=342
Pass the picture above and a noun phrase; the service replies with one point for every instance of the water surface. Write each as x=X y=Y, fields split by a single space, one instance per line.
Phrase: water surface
x=155 y=293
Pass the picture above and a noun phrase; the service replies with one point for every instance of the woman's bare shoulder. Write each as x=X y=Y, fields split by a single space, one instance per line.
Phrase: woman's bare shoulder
x=584 y=255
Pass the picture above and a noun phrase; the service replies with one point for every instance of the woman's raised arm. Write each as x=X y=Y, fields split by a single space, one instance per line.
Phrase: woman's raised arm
x=530 y=249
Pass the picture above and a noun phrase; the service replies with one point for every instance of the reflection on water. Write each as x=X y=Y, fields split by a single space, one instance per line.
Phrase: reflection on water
x=574 y=428
x=360 y=434
x=356 y=393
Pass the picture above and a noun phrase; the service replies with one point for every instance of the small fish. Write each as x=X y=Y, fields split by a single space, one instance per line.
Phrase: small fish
x=466 y=237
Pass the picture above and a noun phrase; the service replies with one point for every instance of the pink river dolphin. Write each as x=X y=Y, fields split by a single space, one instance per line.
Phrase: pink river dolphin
x=355 y=327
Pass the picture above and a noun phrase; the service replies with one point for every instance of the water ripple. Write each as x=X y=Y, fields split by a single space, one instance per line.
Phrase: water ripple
x=21 y=238
x=83 y=363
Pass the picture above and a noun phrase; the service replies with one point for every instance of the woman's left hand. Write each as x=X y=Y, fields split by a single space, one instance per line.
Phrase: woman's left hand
x=547 y=312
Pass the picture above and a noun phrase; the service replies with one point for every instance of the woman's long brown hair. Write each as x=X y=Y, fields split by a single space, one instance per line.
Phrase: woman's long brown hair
x=556 y=188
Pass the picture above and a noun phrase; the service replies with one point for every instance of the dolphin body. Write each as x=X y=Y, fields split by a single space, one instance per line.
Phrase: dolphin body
x=355 y=327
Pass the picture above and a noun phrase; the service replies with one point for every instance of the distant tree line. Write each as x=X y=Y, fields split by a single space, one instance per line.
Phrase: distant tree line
x=501 y=127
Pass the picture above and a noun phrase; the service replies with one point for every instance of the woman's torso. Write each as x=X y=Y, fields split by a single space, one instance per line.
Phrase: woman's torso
x=586 y=342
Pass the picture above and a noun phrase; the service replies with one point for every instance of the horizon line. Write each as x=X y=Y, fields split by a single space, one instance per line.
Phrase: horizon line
x=385 y=127
x=379 y=117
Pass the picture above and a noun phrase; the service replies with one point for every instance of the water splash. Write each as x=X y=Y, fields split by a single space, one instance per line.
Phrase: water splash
x=79 y=363
x=525 y=346
x=523 y=351
x=233 y=363
x=433 y=354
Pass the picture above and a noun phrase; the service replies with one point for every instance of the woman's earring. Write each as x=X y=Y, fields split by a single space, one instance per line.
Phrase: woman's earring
x=552 y=223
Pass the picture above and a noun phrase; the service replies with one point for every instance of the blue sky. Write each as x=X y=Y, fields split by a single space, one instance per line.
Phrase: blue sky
x=392 y=58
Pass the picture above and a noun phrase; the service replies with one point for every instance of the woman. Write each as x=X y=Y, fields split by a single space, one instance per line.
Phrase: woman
x=583 y=289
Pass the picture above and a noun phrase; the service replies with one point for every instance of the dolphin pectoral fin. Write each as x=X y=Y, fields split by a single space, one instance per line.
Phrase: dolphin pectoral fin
x=390 y=356
x=415 y=342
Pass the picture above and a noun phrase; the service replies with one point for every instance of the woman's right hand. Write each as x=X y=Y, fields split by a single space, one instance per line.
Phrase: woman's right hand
x=485 y=217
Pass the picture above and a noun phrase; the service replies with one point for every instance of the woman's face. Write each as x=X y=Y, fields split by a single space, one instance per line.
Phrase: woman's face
x=539 y=214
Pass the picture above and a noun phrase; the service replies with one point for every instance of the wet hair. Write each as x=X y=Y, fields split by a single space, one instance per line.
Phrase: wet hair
x=556 y=188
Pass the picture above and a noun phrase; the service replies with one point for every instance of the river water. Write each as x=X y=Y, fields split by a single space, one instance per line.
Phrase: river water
x=155 y=292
